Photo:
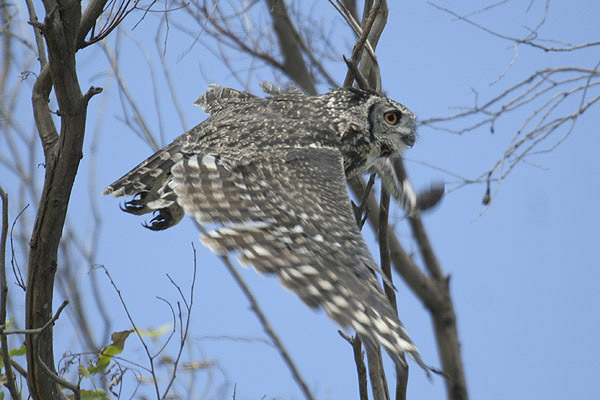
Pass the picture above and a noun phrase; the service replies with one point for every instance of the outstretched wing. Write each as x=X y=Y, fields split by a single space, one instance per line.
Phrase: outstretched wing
x=288 y=212
x=220 y=98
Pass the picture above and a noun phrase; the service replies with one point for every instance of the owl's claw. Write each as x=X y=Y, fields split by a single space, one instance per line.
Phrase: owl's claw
x=136 y=206
x=162 y=220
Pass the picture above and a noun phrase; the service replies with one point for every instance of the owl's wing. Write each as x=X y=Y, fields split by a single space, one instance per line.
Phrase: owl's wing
x=288 y=212
x=219 y=98
x=147 y=174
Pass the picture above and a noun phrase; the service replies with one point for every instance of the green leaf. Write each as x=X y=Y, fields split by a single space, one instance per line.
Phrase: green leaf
x=14 y=352
x=107 y=353
x=91 y=395
x=9 y=323
x=21 y=351
x=82 y=371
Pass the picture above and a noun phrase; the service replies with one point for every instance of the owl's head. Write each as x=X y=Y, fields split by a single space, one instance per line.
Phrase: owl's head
x=392 y=123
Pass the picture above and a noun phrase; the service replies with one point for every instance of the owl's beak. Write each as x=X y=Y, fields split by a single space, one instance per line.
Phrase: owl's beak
x=409 y=139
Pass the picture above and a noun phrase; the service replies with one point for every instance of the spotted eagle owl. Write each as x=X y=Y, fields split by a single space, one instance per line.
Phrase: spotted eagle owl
x=272 y=173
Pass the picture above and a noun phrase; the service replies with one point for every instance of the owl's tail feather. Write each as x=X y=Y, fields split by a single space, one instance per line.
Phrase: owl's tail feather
x=149 y=175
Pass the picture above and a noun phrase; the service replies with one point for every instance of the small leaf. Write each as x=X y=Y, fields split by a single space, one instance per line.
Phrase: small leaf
x=119 y=338
x=166 y=360
x=107 y=353
x=21 y=351
x=9 y=323
x=145 y=380
x=196 y=365
x=83 y=372
x=93 y=395
x=101 y=365
x=156 y=333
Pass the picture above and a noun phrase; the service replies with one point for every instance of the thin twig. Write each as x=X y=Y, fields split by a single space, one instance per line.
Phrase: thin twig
x=384 y=255
x=45 y=368
x=362 y=207
x=9 y=374
x=353 y=23
x=429 y=257
x=173 y=329
x=546 y=90
x=146 y=133
x=37 y=330
x=359 y=361
x=529 y=40
x=184 y=329
x=357 y=51
x=265 y=323
x=136 y=330
x=19 y=369
x=39 y=41
x=267 y=327
x=358 y=76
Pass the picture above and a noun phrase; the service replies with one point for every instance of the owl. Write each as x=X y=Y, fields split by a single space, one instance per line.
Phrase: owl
x=271 y=173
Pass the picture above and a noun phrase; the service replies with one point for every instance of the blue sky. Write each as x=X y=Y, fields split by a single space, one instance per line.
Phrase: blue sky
x=524 y=273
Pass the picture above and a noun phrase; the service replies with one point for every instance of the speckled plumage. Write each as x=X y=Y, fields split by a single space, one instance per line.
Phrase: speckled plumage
x=272 y=171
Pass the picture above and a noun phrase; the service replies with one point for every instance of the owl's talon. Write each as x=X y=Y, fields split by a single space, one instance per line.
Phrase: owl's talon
x=162 y=220
x=136 y=205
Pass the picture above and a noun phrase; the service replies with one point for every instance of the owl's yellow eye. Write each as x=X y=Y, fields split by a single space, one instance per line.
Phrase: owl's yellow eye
x=391 y=117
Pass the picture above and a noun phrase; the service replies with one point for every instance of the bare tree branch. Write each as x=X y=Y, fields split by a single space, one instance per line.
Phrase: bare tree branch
x=41 y=112
x=545 y=95
x=434 y=294
x=39 y=41
x=293 y=64
x=530 y=40
x=376 y=372
x=88 y=20
x=372 y=41
x=361 y=369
